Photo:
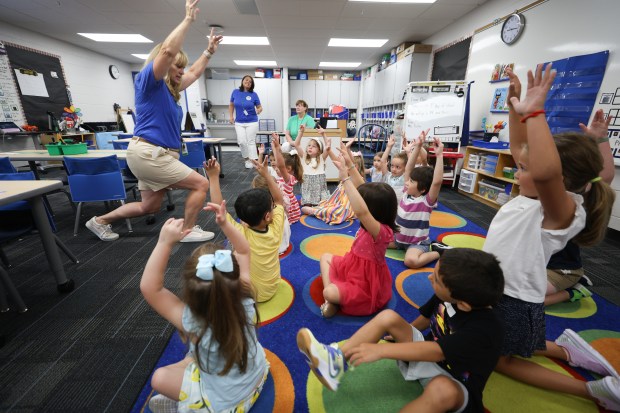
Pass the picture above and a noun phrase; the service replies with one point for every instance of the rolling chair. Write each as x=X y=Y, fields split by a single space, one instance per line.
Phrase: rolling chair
x=195 y=157
x=371 y=138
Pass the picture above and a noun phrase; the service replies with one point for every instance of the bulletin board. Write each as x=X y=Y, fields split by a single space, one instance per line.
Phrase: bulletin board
x=450 y=61
x=438 y=106
x=10 y=103
x=40 y=83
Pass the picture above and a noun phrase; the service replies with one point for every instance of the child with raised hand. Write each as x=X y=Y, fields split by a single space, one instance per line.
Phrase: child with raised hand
x=337 y=209
x=359 y=283
x=260 y=182
x=414 y=210
x=226 y=367
x=262 y=222
x=314 y=186
x=289 y=172
x=454 y=360
x=562 y=197
x=395 y=176
x=565 y=273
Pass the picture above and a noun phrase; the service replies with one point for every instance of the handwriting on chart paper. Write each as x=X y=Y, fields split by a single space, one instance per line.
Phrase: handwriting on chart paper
x=614 y=142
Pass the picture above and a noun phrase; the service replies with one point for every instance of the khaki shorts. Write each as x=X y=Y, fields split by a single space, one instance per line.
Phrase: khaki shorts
x=155 y=173
x=563 y=279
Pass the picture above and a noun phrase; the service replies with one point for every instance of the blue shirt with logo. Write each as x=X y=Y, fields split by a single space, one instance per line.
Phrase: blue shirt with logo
x=245 y=106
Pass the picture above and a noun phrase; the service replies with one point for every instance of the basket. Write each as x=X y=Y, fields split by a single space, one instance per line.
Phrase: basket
x=490 y=145
x=73 y=149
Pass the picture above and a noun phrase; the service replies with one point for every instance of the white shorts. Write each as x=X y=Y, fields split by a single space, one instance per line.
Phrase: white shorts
x=425 y=371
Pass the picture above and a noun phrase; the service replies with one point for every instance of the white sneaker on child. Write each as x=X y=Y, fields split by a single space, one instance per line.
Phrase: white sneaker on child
x=163 y=404
x=582 y=354
x=326 y=362
x=606 y=391
x=198 y=235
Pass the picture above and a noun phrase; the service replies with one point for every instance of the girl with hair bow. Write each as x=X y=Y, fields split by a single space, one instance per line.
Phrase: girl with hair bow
x=226 y=367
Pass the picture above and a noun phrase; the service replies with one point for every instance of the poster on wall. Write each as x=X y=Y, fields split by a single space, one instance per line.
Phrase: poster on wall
x=10 y=105
x=499 y=103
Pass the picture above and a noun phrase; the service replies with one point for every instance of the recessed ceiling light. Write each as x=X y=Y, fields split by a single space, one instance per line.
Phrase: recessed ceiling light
x=396 y=1
x=336 y=42
x=245 y=40
x=255 y=62
x=339 y=64
x=116 y=38
x=140 y=56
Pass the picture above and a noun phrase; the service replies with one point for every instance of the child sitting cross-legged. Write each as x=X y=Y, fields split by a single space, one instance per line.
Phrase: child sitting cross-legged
x=226 y=367
x=262 y=222
x=457 y=356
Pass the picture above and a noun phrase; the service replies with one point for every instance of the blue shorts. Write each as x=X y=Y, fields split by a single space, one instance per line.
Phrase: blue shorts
x=424 y=246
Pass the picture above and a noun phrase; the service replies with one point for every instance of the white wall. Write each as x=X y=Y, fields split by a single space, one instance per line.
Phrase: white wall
x=92 y=88
x=555 y=29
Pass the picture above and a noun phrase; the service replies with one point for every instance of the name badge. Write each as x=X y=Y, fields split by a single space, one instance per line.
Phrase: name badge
x=245 y=112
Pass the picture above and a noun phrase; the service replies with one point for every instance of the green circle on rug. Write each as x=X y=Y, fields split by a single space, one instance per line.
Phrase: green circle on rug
x=315 y=246
x=375 y=387
x=583 y=308
x=278 y=305
x=398 y=255
x=463 y=240
x=505 y=395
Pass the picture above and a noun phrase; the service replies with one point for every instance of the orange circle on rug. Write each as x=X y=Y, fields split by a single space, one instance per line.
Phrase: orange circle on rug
x=462 y=239
x=315 y=246
x=583 y=308
x=278 y=305
x=606 y=342
x=442 y=219
x=284 y=400
x=413 y=285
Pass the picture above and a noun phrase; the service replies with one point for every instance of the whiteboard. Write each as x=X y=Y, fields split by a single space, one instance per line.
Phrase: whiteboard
x=438 y=106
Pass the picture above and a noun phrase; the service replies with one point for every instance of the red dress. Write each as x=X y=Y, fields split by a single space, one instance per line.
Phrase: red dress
x=362 y=275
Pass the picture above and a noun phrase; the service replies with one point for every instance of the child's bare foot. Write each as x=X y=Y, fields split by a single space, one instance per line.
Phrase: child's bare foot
x=328 y=309
x=306 y=210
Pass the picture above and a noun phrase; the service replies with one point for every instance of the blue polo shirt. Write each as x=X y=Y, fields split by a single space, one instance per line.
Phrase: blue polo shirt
x=158 y=115
x=245 y=102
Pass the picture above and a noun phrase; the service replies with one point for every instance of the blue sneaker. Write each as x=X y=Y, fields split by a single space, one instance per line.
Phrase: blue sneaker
x=326 y=362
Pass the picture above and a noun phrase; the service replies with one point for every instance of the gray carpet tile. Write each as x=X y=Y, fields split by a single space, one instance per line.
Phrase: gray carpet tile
x=93 y=349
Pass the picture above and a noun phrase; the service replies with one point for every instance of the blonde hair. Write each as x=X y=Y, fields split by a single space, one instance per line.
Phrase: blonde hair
x=358 y=161
x=307 y=159
x=181 y=60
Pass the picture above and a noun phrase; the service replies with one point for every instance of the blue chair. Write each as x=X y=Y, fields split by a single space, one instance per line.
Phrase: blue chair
x=6 y=167
x=371 y=138
x=195 y=157
x=16 y=221
x=95 y=180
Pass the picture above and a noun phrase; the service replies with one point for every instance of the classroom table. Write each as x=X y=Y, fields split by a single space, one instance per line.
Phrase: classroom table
x=13 y=191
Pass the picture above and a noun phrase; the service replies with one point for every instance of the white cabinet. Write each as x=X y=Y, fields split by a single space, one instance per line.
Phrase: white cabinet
x=269 y=92
x=401 y=78
x=308 y=92
x=321 y=89
x=322 y=93
x=334 y=92
x=350 y=93
x=295 y=92
x=219 y=91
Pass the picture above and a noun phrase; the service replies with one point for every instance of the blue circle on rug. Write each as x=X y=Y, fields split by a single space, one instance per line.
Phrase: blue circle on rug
x=315 y=223
x=414 y=287
x=341 y=318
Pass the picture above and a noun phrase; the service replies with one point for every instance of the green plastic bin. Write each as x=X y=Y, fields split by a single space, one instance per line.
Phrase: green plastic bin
x=74 y=149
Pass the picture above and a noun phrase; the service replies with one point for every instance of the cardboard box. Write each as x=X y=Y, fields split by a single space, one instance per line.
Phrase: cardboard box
x=259 y=73
x=315 y=75
x=403 y=46
x=332 y=76
x=415 y=48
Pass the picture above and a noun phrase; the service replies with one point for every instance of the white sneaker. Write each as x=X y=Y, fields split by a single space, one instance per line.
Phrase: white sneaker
x=248 y=164
x=162 y=404
x=104 y=232
x=198 y=235
x=606 y=391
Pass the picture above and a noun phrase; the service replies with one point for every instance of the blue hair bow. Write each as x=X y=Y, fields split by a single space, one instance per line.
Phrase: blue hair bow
x=222 y=260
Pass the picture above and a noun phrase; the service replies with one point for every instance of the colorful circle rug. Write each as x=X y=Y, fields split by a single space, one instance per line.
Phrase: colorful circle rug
x=440 y=219
x=462 y=239
x=315 y=246
x=278 y=393
x=278 y=305
x=315 y=223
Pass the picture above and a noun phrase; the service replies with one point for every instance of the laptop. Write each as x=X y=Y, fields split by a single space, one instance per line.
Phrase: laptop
x=9 y=127
x=328 y=122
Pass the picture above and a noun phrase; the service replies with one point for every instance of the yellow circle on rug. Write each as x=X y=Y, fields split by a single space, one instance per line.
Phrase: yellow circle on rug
x=284 y=400
x=583 y=308
x=505 y=395
x=315 y=246
x=440 y=219
x=462 y=240
x=278 y=305
x=359 y=390
x=413 y=285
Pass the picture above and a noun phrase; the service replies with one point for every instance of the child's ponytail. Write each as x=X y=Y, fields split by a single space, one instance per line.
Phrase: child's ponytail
x=581 y=164
x=293 y=161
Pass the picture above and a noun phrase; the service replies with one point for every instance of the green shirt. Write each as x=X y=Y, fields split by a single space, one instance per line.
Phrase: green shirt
x=294 y=123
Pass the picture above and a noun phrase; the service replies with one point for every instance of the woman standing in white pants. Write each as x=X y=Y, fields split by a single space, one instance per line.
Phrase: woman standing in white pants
x=245 y=105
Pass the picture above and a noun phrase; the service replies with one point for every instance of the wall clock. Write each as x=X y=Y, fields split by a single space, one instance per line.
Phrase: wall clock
x=114 y=72
x=512 y=28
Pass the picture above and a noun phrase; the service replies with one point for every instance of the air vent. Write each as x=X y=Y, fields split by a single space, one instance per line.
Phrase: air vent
x=246 y=7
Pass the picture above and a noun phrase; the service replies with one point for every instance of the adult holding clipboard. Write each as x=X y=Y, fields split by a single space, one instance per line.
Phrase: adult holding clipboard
x=153 y=153
x=243 y=111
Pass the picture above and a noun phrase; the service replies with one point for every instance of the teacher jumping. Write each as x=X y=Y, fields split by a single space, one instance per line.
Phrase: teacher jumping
x=245 y=105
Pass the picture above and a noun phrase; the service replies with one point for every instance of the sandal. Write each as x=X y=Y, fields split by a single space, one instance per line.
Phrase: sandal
x=328 y=309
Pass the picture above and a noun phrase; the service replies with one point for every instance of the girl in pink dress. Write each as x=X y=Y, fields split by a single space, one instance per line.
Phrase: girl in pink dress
x=360 y=283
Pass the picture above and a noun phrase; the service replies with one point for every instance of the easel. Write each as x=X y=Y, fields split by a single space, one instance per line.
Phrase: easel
x=124 y=118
